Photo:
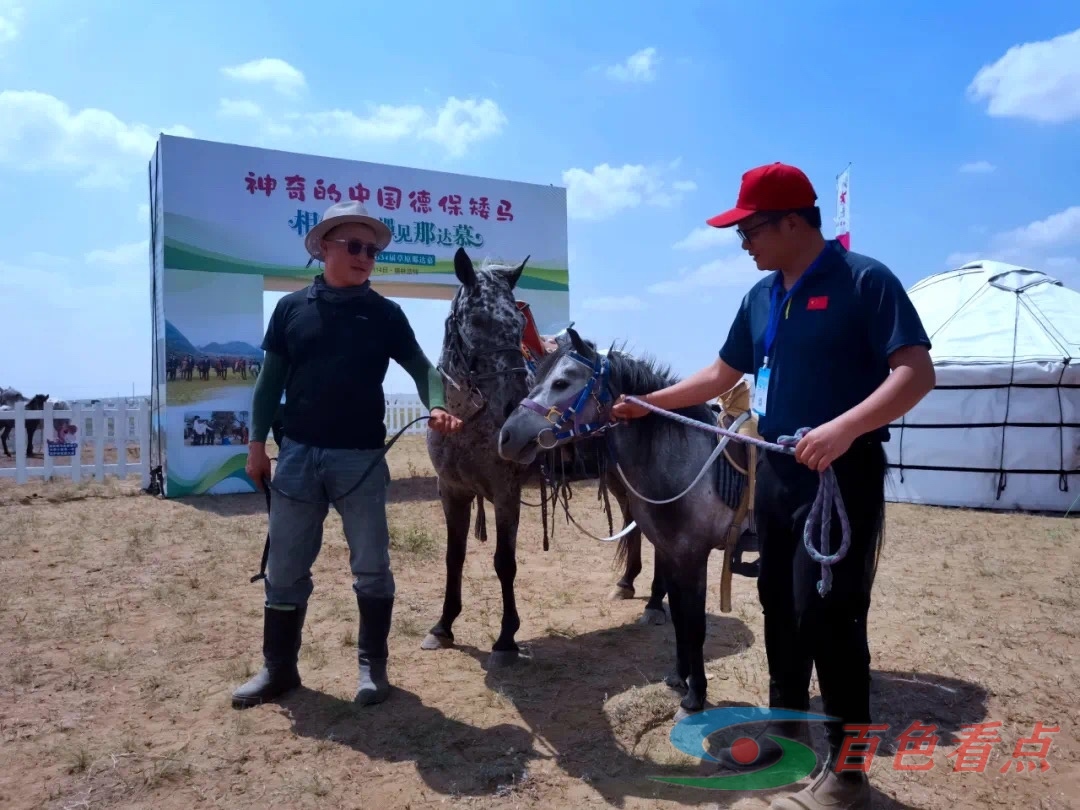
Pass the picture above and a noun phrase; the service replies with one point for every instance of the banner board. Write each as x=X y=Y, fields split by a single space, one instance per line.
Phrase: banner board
x=227 y=222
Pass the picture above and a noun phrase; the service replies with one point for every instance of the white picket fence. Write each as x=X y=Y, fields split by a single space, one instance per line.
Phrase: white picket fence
x=99 y=426
x=402 y=409
x=122 y=426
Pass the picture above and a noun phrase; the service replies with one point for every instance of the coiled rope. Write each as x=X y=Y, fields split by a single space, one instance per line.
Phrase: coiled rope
x=819 y=520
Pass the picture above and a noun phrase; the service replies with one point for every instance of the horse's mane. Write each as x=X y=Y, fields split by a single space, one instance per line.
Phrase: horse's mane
x=488 y=265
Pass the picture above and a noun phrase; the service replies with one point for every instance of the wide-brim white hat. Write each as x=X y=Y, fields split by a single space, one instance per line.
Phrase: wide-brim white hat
x=338 y=214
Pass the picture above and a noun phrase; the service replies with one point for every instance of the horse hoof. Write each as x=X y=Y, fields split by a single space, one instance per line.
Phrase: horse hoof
x=622 y=592
x=653 y=616
x=500 y=659
x=434 y=642
x=683 y=713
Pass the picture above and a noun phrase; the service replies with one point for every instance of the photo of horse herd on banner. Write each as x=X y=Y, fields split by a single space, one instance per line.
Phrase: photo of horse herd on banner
x=577 y=618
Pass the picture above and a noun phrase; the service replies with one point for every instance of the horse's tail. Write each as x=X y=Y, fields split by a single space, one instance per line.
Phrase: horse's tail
x=622 y=552
x=481 y=520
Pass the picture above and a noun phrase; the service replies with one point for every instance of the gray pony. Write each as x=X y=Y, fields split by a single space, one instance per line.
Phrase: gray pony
x=660 y=458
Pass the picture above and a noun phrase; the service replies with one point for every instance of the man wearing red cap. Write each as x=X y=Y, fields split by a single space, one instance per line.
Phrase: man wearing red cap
x=834 y=345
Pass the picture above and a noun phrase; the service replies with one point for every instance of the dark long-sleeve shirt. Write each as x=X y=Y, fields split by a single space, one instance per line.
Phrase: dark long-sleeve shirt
x=330 y=357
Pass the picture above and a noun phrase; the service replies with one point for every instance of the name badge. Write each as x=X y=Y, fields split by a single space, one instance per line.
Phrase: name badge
x=761 y=391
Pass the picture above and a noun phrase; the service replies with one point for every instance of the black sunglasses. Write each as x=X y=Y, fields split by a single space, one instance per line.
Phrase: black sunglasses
x=356 y=247
x=744 y=234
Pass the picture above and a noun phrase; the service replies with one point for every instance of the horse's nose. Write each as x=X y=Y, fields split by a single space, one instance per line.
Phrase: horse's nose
x=504 y=437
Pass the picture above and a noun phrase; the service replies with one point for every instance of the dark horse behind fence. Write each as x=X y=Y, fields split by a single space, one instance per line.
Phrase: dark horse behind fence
x=487 y=377
x=660 y=459
x=9 y=397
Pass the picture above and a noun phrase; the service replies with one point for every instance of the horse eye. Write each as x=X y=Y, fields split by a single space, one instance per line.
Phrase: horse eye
x=560 y=385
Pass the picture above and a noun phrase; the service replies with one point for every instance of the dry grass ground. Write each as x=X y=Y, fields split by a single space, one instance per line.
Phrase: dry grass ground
x=127 y=620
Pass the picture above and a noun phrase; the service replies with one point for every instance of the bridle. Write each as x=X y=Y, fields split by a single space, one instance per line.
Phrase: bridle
x=581 y=413
x=461 y=368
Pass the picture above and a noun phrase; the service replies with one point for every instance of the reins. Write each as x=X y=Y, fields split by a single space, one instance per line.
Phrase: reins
x=820 y=515
x=567 y=418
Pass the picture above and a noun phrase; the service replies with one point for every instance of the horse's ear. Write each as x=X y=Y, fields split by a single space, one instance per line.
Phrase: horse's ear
x=580 y=346
x=463 y=268
x=513 y=276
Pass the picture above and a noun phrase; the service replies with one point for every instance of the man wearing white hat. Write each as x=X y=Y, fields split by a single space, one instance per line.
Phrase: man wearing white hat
x=328 y=347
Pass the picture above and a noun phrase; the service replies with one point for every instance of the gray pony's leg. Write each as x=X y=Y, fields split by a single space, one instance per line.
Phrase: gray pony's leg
x=687 y=595
x=654 y=608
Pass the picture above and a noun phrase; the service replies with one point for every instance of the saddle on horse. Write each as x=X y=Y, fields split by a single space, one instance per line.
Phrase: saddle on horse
x=743 y=457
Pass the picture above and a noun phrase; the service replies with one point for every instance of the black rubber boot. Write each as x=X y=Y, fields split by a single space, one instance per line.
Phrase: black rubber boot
x=282 y=631
x=763 y=751
x=372 y=650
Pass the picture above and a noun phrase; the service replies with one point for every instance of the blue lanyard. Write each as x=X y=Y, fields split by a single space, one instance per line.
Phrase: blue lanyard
x=776 y=306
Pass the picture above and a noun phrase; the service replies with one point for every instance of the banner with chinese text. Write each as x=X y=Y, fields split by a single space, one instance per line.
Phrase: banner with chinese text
x=229 y=221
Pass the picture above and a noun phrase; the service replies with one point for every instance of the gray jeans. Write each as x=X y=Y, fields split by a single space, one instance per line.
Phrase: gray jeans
x=315 y=477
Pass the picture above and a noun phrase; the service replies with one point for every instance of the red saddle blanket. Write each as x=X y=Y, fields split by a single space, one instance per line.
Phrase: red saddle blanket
x=530 y=338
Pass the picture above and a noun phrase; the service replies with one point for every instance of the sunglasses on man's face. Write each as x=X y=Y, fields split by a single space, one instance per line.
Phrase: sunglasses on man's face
x=746 y=234
x=356 y=247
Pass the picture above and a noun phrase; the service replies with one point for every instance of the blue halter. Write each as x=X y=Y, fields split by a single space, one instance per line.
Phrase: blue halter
x=568 y=415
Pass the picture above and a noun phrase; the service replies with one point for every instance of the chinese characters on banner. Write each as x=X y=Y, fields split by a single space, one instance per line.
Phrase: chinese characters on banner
x=916 y=744
x=843 y=218
x=389 y=198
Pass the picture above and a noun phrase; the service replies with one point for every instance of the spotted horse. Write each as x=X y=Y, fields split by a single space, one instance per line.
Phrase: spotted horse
x=490 y=347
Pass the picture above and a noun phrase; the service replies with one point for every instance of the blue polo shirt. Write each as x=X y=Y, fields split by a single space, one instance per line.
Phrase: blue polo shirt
x=833 y=340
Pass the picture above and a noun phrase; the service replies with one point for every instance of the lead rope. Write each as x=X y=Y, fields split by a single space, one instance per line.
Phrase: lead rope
x=828 y=495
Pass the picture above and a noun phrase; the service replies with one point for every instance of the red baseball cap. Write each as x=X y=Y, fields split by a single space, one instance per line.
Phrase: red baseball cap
x=772 y=187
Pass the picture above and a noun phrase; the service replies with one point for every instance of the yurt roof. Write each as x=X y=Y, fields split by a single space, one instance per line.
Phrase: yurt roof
x=992 y=312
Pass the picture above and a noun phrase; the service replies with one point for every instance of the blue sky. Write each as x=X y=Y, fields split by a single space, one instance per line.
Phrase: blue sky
x=961 y=124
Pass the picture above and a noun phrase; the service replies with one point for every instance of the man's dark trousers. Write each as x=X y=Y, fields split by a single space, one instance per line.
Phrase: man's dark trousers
x=802 y=628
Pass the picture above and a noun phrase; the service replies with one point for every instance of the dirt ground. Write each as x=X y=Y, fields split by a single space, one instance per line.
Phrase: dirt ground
x=127 y=620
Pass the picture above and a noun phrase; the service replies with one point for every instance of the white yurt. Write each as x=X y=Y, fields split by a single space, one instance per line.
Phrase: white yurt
x=1001 y=430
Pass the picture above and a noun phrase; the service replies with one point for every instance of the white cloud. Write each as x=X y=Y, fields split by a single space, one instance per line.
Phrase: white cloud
x=638 y=67
x=1039 y=81
x=385 y=123
x=684 y=186
x=142 y=214
x=10 y=20
x=978 y=167
x=735 y=270
x=455 y=126
x=41 y=133
x=615 y=303
x=1036 y=244
x=1057 y=230
x=707 y=237
x=1067 y=262
x=461 y=122
x=126 y=254
x=279 y=74
x=239 y=108
x=606 y=190
x=960 y=258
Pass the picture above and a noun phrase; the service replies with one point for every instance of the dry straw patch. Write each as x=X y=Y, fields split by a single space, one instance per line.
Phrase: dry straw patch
x=127 y=621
